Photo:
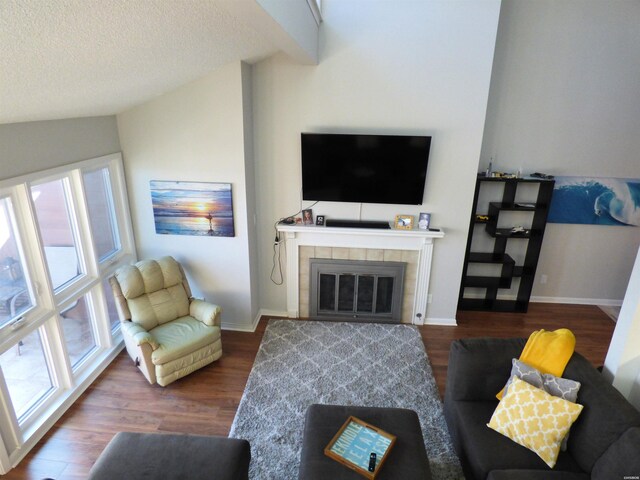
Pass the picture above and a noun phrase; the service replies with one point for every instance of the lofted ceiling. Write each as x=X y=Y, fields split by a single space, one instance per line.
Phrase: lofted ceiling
x=75 y=58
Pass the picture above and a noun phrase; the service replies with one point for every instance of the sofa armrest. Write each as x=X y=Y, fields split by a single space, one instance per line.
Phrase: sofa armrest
x=621 y=460
x=139 y=335
x=479 y=367
x=205 y=312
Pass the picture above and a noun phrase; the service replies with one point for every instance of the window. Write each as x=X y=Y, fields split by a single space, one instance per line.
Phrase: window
x=78 y=331
x=26 y=374
x=101 y=212
x=57 y=232
x=63 y=232
x=15 y=294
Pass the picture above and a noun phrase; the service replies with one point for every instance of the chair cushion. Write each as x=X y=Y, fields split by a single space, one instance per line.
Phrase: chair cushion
x=154 y=291
x=181 y=337
x=148 y=276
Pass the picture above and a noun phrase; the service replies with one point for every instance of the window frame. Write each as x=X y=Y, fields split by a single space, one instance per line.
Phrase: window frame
x=18 y=436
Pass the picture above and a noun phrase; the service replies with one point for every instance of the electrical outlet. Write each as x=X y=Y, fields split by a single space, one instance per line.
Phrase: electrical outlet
x=543 y=279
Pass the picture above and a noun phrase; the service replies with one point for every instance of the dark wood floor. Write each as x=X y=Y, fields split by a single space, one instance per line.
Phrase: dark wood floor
x=205 y=402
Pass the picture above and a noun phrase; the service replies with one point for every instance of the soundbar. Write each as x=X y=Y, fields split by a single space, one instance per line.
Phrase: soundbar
x=357 y=224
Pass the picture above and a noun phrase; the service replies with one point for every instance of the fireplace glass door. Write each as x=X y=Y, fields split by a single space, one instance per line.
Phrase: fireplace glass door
x=356 y=290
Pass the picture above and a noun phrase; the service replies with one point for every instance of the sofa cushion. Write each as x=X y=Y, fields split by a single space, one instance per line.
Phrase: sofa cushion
x=483 y=450
x=605 y=417
x=535 y=475
x=557 y=386
x=534 y=419
x=479 y=367
x=622 y=458
x=181 y=337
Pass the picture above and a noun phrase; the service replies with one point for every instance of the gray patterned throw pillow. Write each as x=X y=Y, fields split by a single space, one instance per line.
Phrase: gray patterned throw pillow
x=556 y=386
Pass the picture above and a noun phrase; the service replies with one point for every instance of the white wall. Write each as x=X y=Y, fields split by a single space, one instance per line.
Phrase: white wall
x=564 y=100
x=622 y=365
x=33 y=146
x=195 y=133
x=398 y=67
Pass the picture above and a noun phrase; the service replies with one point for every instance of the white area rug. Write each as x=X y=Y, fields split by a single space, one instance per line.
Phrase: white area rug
x=303 y=362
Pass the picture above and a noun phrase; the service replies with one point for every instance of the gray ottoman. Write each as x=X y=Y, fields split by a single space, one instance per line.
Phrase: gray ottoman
x=407 y=460
x=148 y=455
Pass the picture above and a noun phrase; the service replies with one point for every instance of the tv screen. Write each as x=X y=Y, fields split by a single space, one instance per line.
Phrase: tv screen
x=364 y=168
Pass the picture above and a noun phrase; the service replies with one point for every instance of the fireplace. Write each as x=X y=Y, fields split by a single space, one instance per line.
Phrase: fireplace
x=412 y=247
x=356 y=290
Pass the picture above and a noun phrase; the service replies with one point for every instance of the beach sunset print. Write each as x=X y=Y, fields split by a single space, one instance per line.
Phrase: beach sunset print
x=192 y=208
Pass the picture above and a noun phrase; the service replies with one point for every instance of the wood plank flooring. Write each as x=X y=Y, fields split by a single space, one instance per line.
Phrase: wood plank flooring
x=205 y=402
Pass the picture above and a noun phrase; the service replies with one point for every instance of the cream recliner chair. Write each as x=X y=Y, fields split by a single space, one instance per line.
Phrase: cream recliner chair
x=167 y=333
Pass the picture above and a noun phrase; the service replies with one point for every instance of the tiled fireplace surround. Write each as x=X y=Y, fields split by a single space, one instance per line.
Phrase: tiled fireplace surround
x=413 y=247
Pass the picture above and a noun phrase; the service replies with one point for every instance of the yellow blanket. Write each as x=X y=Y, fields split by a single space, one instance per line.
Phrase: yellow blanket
x=549 y=352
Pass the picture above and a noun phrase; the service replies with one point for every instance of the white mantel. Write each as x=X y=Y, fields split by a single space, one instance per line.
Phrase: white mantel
x=362 y=238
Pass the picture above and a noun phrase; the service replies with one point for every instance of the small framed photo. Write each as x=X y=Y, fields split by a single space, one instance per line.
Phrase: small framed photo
x=320 y=220
x=404 y=222
x=307 y=216
x=424 y=220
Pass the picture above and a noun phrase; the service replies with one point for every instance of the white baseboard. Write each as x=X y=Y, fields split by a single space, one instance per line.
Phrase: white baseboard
x=568 y=300
x=447 y=322
x=578 y=301
x=252 y=328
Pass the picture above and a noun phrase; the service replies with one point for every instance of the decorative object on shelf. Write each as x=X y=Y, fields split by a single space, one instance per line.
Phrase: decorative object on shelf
x=307 y=216
x=361 y=447
x=519 y=230
x=509 y=288
x=192 y=208
x=424 y=220
x=320 y=220
x=596 y=201
x=404 y=222
x=544 y=176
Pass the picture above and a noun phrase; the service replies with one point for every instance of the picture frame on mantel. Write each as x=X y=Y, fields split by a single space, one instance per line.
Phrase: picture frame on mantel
x=424 y=221
x=404 y=222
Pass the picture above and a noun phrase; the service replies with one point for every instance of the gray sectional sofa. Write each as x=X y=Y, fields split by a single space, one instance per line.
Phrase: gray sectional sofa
x=604 y=442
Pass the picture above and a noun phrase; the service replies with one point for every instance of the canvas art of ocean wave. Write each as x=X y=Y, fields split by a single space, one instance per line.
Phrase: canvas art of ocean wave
x=596 y=201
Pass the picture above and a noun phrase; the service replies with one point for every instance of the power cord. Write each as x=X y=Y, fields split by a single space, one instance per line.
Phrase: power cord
x=276 y=253
x=277 y=246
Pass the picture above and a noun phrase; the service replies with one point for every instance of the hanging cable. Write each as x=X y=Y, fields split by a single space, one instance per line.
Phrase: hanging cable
x=277 y=244
x=276 y=259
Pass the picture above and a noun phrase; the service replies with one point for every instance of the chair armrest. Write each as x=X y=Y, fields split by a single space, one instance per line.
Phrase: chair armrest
x=139 y=334
x=205 y=312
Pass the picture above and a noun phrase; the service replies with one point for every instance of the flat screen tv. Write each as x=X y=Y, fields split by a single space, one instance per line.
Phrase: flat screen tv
x=364 y=168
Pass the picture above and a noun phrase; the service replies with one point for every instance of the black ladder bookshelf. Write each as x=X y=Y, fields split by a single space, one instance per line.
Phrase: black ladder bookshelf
x=496 y=239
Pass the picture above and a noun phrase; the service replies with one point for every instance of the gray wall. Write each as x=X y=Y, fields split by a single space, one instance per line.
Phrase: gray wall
x=33 y=146
x=565 y=100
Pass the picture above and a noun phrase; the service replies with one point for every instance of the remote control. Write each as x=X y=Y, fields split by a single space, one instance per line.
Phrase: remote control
x=372 y=462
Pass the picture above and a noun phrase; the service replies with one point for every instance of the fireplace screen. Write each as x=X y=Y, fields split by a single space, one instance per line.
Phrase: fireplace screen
x=356 y=290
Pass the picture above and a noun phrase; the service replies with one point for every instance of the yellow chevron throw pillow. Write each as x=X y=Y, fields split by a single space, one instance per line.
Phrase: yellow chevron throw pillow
x=534 y=419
